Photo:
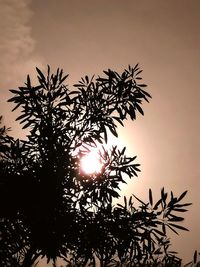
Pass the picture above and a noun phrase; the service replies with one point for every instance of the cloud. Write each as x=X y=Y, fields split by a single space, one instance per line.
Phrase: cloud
x=17 y=46
x=18 y=55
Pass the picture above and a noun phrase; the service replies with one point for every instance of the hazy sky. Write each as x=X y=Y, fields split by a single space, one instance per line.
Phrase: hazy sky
x=86 y=37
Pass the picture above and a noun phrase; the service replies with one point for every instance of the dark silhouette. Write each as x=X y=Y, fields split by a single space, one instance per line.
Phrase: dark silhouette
x=48 y=207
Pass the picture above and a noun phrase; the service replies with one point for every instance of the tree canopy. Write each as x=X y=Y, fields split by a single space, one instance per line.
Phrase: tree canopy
x=48 y=207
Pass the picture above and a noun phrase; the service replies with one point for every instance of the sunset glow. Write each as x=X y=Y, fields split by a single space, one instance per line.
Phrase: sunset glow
x=86 y=38
x=91 y=163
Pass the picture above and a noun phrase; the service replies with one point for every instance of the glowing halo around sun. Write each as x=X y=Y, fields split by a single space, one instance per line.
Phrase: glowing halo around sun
x=91 y=163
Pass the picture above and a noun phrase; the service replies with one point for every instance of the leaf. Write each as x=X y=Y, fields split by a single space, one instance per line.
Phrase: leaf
x=132 y=112
x=118 y=120
x=135 y=67
x=142 y=85
x=178 y=226
x=138 y=72
x=179 y=210
x=48 y=70
x=145 y=93
x=13 y=99
x=175 y=219
x=158 y=232
x=28 y=81
x=139 y=199
x=105 y=134
x=113 y=130
x=150 y=197
x=16 y=106
x=139 y=108
x=182 y=195
x=163 y=195
x=130 y=201
x=157 y=204
x=27 y=124
x=113 y=193
x=41 y=74
x=14 y=91
x=182 y=205
x=195 y=257
x=125 y=202
x=119 y=205
x=123 y=151
x=164 y=228
x=63 y=79
x=87 y=79
x=21 y=117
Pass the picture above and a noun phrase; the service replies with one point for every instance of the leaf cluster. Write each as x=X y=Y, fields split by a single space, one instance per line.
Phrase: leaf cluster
x=48 y=207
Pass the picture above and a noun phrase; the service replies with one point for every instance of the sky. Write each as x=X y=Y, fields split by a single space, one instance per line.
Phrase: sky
x=87 y=37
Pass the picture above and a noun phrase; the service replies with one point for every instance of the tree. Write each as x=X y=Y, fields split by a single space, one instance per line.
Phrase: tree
x=55 y=210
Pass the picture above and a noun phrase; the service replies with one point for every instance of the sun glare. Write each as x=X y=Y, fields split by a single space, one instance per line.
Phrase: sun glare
x=91 y=163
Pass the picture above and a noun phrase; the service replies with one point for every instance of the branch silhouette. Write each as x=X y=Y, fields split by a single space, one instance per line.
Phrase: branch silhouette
x=49 y=208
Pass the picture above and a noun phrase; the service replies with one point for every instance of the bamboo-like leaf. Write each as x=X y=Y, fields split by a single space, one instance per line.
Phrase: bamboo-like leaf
x=138 y=199
x=182 y=205
x=139 y=108
x=142 y=85
x=18 y=105
x=150 y=197
x=63 y=79
x=125 y=202
x=195 y=257
x=178 y=226
x=157 y=204
x=182 y=195
x=14 y=91
x=27 y=124
x=41 y=75
x=28 y=82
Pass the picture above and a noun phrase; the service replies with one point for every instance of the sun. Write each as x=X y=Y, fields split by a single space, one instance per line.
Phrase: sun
x=91 y=163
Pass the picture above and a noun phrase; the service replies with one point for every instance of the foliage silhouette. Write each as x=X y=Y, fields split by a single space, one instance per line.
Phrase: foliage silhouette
x=195 y=261
x=49 y=208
